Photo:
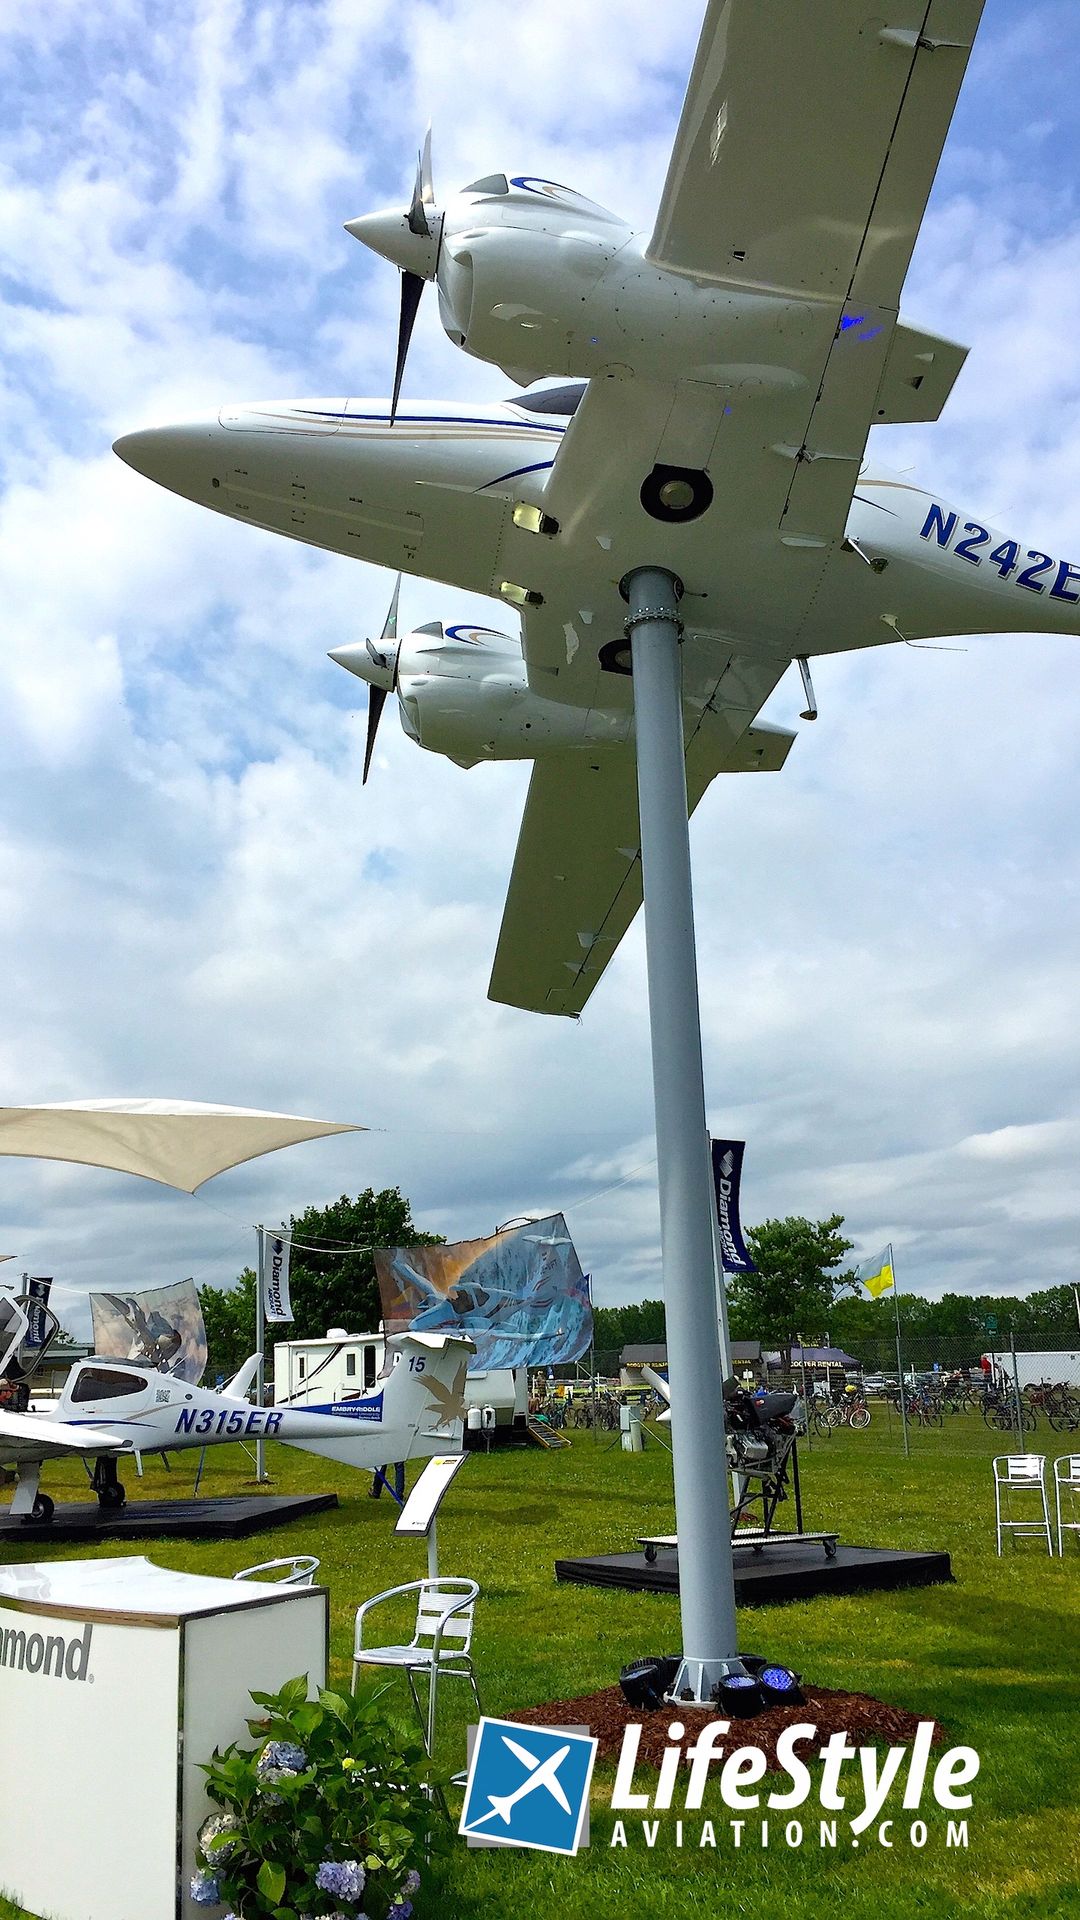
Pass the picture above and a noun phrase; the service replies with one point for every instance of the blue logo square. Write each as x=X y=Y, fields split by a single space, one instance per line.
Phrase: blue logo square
x=528 y=1786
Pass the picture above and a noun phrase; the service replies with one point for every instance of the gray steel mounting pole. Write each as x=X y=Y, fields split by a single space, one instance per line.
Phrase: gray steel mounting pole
x=1017 y=1402
x=260 y=1347
x=687 y=1203
x=903 y=1391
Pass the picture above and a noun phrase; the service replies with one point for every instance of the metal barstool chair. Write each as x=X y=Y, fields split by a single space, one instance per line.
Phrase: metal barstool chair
x=444 y=1613
x=1026 y=1472
x=298 y=1570
x=1067 y=1480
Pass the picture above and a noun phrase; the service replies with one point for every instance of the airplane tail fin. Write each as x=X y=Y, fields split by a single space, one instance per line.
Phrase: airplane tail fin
x=240 y=1385
x=418 y=1402
x=502 y=1806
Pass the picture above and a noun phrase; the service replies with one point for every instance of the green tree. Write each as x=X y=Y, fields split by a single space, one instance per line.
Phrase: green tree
x=229 y=1317
x=639 y=1323
x=332 y=1277
x=796 y=1283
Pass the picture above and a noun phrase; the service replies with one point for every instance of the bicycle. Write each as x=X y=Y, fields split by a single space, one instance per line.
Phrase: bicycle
x=924 y=1409
x=1063 y=1410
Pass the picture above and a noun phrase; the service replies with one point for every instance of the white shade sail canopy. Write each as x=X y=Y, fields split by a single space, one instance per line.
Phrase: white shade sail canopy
x=181 y=1143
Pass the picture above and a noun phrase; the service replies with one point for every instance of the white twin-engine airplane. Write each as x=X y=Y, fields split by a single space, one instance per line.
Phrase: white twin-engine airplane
x=714 y=386
x=110 y=1408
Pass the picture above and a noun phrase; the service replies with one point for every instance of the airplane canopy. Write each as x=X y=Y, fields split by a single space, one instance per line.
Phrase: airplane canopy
x=181 y=1143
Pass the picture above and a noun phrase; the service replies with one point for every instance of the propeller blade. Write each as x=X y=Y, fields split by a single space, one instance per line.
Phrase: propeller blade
x=412 y=286
x=389 y=631
x=423 y=192
x=375 y=705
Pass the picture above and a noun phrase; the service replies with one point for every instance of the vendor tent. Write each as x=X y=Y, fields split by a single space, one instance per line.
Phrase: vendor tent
x=815 y=1357
x=181 y=1143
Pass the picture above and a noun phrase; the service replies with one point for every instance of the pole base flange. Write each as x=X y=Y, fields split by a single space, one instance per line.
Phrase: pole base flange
x=694 y=1682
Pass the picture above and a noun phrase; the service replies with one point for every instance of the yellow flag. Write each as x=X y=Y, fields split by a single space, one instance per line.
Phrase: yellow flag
x=877 y=1275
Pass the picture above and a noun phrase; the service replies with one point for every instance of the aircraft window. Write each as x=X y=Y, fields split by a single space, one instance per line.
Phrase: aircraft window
x=350 y=1363
x=491 y=183
x=561 y=400
x=100 y=1383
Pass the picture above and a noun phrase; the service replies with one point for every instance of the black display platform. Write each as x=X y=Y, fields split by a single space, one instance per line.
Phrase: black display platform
x=790 y=1572
x=215 y=1518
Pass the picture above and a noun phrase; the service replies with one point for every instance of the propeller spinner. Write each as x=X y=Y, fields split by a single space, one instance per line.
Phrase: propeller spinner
x=410 y=241
x=377 y=664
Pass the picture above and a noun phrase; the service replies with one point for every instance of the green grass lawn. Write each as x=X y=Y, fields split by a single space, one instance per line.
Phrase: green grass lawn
x=996 y=1657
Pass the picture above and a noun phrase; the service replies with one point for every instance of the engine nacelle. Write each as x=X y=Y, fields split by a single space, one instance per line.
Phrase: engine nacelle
x=463 y=691
x=538 y=280
x=519 y=260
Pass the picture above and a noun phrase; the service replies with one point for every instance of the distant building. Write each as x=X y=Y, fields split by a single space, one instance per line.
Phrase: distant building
x=745 y=1357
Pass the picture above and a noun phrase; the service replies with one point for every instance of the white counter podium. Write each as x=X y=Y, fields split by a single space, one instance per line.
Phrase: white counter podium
x=117 y=1678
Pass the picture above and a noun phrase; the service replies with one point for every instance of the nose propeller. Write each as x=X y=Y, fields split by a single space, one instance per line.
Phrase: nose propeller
x=411 y=241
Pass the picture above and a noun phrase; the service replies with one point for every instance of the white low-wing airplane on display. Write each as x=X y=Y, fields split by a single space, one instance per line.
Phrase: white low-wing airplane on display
x=714 y=386
x=112 y=1407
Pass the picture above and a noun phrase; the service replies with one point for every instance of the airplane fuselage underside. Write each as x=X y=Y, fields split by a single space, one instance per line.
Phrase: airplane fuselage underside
x=454 y=495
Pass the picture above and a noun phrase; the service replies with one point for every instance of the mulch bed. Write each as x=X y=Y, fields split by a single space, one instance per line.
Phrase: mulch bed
x=859 y=1715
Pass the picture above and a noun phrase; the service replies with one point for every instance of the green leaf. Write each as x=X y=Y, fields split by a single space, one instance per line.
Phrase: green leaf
x=271 y=1881
x=293 y=1694
x=339 y=1705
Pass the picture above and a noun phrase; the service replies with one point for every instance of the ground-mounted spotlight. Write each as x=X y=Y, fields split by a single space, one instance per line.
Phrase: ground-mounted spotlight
x=738 y=1696
x=780 y=1687
x=645 y=1683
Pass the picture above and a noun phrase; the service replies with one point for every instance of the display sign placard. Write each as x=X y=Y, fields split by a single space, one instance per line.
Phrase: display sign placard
x=425 y=1499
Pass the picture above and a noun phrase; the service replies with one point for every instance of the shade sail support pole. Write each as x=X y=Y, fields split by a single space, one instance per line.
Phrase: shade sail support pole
x=687 y=1205
x=260 y=1348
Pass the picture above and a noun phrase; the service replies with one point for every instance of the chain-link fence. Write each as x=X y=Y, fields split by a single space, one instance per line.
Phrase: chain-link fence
x=976 y=1393
x=913 y=1393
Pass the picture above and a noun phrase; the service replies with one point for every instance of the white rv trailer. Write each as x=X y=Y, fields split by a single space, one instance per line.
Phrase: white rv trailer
x=1060 y=1369
x=319 y=1372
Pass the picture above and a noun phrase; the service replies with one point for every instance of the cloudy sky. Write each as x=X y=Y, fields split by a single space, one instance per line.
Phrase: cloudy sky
x=196 y=897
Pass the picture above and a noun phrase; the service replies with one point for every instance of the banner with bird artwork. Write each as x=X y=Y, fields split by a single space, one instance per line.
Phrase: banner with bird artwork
x=520 y=1295
x=161 y=1328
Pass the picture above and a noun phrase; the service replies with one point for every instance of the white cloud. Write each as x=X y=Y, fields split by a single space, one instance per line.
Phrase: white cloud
x=196 y=896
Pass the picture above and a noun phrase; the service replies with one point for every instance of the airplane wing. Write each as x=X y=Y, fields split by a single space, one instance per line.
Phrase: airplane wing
x=801 y=169
x=576 y=880
x=34 y=1436
x=808 y=143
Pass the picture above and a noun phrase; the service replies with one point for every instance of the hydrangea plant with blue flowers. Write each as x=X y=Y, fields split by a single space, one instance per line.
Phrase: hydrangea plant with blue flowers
x=324 y=1817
